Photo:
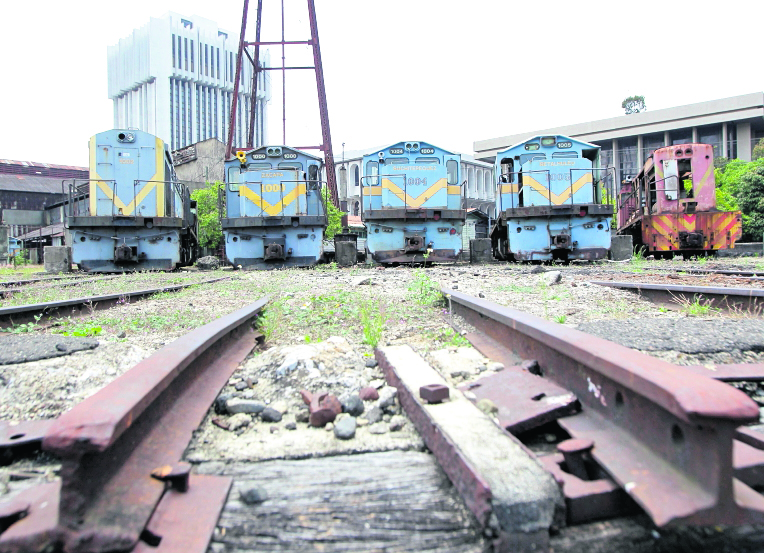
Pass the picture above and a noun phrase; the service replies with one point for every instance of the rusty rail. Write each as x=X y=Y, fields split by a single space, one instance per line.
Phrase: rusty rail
x=672 y=295
x=25 y=313
x=9 y=292
x=663 y=434
x=122 y=482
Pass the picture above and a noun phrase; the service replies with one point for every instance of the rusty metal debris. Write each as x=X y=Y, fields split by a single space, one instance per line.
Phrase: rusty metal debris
x=664 y=437
x=434 y=393
x=111 y=442
x=732 y=299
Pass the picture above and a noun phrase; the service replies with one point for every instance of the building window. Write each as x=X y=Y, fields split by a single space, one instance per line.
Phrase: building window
x=650 y=143
x=711 y=135
x=187 y=24
x=680 y=136
x=731 y=141
x=206 y=61
x=173 y=50
x=172 y=108
x=224 y=35
x=212 y=62
x=217 y=52
x=192 y=56
x=627 y=158
x=185 y=51
x=357 y=176
x=180 y=55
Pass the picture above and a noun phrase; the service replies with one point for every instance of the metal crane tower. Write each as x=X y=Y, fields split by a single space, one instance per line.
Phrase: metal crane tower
x=254 y=59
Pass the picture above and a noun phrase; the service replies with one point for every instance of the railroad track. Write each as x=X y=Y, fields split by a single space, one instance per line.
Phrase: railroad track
x=123 y=486
x=9 y=292
x=738 y=300
x=663 y=435
x=645 y=433
x=20 y=314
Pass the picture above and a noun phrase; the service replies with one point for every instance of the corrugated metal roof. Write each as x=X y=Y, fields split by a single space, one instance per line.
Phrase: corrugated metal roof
x=56 y=229
x=38 y=164
x=31 y=183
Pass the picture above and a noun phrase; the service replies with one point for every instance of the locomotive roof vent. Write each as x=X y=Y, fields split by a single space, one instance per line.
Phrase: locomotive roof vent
x=126 y=137
x=274 y=152
x=412 y=146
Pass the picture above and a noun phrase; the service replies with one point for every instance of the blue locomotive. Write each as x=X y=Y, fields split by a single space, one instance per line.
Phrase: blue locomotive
x=274 y=208
x=132 y=213
x=412 y=203
x=551 y=202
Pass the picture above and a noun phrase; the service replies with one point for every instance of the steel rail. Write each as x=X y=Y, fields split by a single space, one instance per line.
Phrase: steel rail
x=35 y=280
x=8 y=292
x=122 y=446
x=24 y=313
x=662 y=433
x=731 y=299
x=694 y=271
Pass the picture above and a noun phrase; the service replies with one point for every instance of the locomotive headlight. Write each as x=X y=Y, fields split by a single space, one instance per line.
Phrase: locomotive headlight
x=130 y=137
x=452 y=231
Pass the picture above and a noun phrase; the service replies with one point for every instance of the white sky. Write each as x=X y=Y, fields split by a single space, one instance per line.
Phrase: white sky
x=443 y=71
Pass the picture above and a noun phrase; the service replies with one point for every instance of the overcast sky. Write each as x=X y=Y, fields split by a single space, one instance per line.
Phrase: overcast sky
x=447 y=72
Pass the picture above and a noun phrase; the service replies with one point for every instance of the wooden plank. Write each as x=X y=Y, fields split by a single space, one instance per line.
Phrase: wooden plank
x=392 y=501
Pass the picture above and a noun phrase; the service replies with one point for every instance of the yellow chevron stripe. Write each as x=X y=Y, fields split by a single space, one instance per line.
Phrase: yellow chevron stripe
x=418 y=201
x=510 y=188
x=704 y=180
x=159 y=176
x=454 y=190
x=129 y=208
x=558 y=199
x=94 y=177
x=373 y=191
x=276 y=208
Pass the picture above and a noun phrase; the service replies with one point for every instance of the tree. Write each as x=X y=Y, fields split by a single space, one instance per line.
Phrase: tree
x=750 y=197
x=634 y=104
x=758 y=150
x=335 y=217
x=206 y=198
x=740 y=186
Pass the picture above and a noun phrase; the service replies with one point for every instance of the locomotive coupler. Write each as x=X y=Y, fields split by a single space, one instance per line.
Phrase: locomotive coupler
x=414 y=243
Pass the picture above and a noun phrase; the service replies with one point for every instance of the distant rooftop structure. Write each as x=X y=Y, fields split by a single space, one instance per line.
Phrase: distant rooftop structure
x=13 y=167
x=731 y=125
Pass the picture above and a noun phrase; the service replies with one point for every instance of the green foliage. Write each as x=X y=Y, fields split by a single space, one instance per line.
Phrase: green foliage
x=20 y=258
x=560 y=319
x=740 y=185
x=758 y=150
x=638 y=258
x=24 y=327
x=634 y=104
x=335 y=217
x=72 y=328
x=372 y=322
x=452 y=338
x=721 y=162
x=210 y=232
x=425 y=291
x=750 y=192
x=269 y=319
x=697 y=307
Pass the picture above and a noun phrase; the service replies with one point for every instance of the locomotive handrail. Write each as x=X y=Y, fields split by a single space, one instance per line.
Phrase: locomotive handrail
x=73 y=190
x=379 y=183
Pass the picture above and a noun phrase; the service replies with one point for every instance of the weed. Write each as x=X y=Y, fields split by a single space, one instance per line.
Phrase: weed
x=698 y=307
x=270 y=319
x=24 y=327
x=307 y=338
x=452 y=338
x=560 y=319
x=372 y=322
x=82 y=329
x=638 y=258
x=663 y=309
x=425 y=291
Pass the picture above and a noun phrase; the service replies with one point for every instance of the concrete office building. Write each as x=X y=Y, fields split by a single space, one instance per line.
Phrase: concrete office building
x=174 y=78
x=732 y=125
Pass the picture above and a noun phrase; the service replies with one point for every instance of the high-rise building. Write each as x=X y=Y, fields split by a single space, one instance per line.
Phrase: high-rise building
x=174 y=78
